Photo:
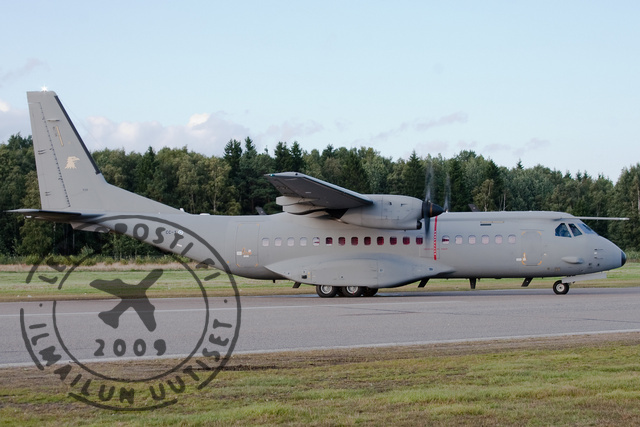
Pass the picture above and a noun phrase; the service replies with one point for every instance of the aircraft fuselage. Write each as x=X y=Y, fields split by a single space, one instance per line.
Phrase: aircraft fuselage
x=321 y=250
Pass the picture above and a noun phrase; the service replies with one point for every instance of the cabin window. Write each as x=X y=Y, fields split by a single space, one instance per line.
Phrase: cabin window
x=498 y=239
x=419 y=240
x=575 y=230
x=458 y=239
x=342 y=241
x=354 y=241
x=472 y=240
x=277 y=241
x=316 y=241
x=511 y=239
x=393 y=240
x=303 y=241
x=406 y=240
x=380 y=240
x=367 y=241
x=328 y=241
x=265 y=242
x=445 y=240
x=485 y=239
x=562 y=230
x=291 y=241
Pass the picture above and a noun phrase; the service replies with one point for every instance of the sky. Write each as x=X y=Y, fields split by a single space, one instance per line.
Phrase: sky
x=541 y=82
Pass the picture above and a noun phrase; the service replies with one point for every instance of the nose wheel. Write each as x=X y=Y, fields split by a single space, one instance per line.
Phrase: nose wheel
x=560 y=288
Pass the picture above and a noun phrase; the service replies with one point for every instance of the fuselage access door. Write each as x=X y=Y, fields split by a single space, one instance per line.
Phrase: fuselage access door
x=532 y=248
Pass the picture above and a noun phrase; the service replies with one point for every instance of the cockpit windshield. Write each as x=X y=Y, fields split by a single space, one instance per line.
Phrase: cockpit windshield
x=576 y=232
x=586 y=228
x=562 y=230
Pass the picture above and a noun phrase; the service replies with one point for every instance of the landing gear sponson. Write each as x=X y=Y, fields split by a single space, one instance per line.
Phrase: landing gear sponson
x=328 y=291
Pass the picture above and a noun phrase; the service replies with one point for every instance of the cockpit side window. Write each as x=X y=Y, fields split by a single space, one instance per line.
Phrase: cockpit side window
x=562 y=230
x=586 y=228
x=576 y=232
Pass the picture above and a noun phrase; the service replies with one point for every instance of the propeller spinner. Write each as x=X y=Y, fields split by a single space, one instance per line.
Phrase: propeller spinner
x=430 y=210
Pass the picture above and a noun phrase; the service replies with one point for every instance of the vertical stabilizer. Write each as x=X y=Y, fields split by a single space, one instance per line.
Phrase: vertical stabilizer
x=68 y=177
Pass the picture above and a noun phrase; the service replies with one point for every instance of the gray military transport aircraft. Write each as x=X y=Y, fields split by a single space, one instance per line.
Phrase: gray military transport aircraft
x=340 y=241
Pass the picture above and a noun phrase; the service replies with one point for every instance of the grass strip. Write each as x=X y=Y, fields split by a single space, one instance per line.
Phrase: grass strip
x=177 y=282
x=577 y=380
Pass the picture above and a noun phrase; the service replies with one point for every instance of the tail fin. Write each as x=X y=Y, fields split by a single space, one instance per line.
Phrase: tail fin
x=68 y=177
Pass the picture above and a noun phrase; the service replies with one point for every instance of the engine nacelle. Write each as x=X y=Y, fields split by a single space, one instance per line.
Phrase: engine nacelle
x=387 y=211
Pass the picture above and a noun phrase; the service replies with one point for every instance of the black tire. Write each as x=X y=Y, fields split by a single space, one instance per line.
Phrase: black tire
x=369 y=292
x=351 y=291
x=326 y=291
x=560 y=288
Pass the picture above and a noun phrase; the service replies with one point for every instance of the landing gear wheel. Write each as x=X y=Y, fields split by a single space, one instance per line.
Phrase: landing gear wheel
x=326 y=291
x=369 y=292
x=352 y=291
x=560 y=288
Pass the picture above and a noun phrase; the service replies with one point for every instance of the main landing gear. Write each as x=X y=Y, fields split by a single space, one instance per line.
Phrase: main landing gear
x=328 y=291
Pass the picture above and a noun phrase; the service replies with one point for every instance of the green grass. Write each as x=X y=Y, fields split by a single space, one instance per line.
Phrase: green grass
x=575 y=381
x=176 y=282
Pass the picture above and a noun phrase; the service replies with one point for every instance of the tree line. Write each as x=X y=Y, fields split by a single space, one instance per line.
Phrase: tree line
x=234 y=184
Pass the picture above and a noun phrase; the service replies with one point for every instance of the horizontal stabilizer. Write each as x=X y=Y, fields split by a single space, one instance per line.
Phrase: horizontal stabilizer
x=55 y=216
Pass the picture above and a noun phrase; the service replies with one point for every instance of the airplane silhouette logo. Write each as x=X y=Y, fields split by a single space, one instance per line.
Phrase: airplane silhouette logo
x=131 y=296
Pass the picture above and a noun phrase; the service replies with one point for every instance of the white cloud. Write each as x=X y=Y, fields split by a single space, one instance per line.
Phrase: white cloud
x=421 y=125
x=198 y=119
x=534 y=144
x=290 y=131
x=431 y=147
x=13 y=121
x=464 y=145
x=204 y=133
x=30 y=65
x=494 y=148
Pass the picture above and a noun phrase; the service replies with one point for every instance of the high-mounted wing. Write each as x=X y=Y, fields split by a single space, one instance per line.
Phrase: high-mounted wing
x=303 y=194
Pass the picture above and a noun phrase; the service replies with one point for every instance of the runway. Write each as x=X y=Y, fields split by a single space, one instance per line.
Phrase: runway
x=305 y=322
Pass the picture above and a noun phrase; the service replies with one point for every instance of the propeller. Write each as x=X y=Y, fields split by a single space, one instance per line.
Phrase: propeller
x=429 y=209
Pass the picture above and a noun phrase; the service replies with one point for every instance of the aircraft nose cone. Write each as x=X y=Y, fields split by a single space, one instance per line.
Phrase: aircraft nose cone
x=623 y=258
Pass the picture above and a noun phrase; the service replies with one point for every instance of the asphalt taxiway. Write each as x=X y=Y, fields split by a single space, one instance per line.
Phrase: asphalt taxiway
x=306 y=322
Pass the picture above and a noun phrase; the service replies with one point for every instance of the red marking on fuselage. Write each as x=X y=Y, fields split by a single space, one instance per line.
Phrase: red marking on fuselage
x=435 y=239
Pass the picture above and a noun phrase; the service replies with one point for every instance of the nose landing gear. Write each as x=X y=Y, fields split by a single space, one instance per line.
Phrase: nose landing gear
x=560 y=288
